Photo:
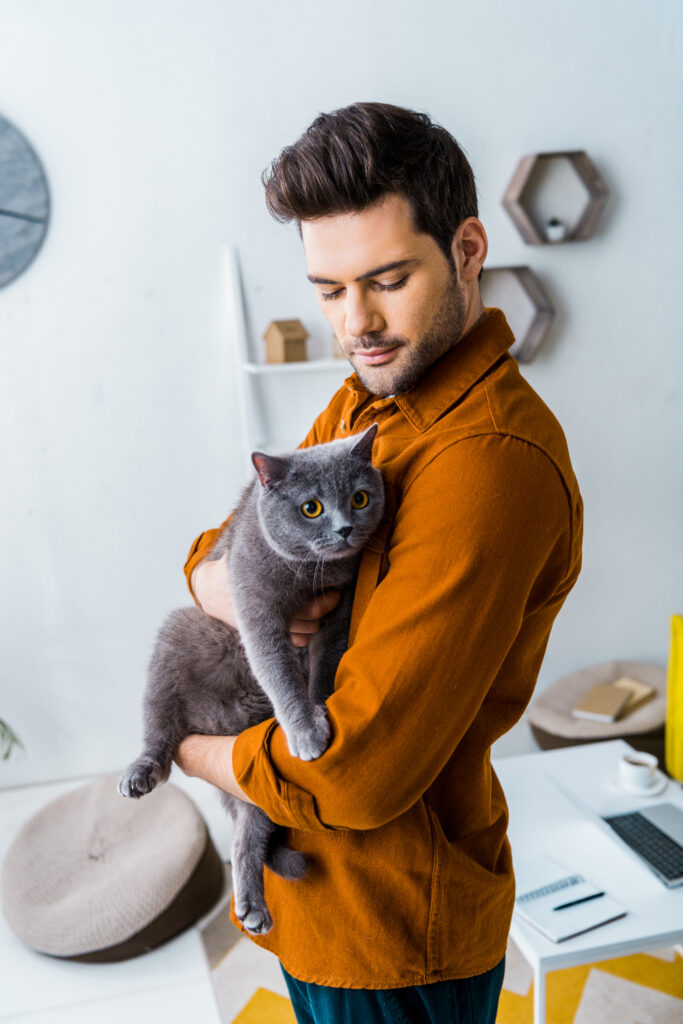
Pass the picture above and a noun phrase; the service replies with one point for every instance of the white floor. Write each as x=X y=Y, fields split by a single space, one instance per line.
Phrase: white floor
x=170 y=985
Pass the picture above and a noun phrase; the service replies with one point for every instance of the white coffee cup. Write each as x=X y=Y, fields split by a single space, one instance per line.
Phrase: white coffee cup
x=638 y=770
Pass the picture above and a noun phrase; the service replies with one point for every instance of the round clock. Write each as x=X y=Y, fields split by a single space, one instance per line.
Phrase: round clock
x=24 y=203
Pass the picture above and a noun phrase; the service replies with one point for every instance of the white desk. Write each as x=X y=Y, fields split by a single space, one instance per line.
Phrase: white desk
x=544 y=819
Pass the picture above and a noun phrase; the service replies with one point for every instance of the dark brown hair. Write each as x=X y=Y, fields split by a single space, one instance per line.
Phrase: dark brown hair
x=351 y=158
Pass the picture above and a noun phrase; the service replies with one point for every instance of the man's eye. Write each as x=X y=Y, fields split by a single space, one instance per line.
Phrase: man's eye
x=392 y=287
x=330 y=296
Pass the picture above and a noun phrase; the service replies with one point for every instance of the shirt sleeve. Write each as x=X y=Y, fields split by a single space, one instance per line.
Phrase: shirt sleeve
x=482 y=537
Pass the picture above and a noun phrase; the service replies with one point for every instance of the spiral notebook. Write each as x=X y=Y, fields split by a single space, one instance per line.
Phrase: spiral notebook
x=561 y=903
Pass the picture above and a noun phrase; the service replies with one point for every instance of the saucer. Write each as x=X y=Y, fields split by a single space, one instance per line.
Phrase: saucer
x=659 y=784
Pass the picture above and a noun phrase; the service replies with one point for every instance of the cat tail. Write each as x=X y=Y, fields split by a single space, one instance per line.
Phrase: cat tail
x=285 y=862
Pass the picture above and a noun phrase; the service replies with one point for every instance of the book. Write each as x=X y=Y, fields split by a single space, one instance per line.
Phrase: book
x=639 y=693
x=561 y=903
x=602 y=703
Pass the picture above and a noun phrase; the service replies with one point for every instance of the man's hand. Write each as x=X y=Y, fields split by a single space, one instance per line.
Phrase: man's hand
x=307 y=621
x=211 y=587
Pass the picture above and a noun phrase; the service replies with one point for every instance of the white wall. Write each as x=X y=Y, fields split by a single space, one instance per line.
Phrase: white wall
x=118 y=403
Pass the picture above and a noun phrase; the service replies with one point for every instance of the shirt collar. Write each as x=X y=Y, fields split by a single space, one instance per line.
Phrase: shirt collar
x=453 y=374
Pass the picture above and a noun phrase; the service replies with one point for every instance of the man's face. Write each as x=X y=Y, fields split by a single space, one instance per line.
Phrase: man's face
x=389 y=293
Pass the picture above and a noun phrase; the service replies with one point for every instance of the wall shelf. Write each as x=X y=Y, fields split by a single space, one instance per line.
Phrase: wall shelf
x=563 y=186
x=520 y=294
x=277 y=401
x=307 y=366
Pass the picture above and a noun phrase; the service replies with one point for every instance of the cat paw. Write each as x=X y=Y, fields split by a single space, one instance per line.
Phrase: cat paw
x=255 y=917
x=141 y=778
x=309 y=742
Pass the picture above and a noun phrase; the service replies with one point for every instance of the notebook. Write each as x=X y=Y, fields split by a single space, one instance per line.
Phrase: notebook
x=559 y=902
x=639 y=693
x=602 y=703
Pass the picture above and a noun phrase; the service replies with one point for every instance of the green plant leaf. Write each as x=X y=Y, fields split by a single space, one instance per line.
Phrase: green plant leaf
x=8 y=740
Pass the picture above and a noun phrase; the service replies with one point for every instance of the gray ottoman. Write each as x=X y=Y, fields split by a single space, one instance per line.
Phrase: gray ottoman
x=98 y=878
x=553 y=724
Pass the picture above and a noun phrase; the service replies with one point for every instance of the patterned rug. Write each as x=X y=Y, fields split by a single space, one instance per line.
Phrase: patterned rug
x=641 y=989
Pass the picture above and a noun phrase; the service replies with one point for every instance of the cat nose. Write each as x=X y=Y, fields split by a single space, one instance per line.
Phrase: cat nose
x=345 y=531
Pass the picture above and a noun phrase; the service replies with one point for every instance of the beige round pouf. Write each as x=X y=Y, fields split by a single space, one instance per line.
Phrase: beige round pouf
x=96 y=877
x=553 y=725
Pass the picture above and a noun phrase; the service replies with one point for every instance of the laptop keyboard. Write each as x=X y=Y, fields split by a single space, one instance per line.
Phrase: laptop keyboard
x=665 y=855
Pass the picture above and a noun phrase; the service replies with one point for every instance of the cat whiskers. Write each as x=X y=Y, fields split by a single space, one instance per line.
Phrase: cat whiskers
x=319 y=562
x=300 y=566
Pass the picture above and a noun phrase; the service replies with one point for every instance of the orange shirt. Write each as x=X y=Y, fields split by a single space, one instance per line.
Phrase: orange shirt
x=403 y=819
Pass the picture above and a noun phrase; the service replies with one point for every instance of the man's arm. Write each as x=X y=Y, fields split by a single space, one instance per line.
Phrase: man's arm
x=482 y=542
x=210 y=758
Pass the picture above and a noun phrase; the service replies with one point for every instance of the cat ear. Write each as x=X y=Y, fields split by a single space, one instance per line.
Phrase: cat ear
x=363 y=446
x=270 y=468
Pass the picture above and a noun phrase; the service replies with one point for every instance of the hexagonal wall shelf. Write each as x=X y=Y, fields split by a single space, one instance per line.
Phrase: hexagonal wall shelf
x=519 y=293
x=555 y=197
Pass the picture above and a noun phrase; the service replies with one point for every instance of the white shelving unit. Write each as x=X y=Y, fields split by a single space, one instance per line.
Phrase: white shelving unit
x=257 y=382
x=310 y=366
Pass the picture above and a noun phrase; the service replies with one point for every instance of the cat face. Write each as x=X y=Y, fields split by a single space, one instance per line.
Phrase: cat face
x=320 y=502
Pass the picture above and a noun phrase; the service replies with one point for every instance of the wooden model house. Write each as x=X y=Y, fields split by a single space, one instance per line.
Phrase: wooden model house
x=285 y=341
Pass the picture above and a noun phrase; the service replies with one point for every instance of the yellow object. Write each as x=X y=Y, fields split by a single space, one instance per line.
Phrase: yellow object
x=645 y=986
x=266 y=1007
x=674 y=701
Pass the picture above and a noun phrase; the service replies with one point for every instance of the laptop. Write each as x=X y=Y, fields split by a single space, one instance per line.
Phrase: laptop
x=656 y=834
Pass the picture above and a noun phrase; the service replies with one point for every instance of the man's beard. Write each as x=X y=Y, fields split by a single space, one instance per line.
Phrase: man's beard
x=442 y=334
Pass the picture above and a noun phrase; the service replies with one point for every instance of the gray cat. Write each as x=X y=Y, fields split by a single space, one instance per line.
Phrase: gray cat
x=299 y=527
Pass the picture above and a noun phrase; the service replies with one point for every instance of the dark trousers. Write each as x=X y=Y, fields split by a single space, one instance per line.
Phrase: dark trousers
x=463 y=1001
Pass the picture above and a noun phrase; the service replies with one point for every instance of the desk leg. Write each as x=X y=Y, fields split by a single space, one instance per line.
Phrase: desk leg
x=539 y=996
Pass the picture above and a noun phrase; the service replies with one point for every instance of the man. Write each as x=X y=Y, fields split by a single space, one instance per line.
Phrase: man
x=405 y=910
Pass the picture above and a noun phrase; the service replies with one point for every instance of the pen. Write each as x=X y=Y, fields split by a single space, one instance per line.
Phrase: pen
x=584 y=899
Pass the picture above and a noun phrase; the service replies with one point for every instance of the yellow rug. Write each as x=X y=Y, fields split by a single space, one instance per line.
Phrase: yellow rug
x=266 y=1008
x=640 y=989
x=637 y=989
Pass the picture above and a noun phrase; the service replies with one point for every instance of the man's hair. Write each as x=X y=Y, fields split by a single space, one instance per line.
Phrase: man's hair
x=350 y=159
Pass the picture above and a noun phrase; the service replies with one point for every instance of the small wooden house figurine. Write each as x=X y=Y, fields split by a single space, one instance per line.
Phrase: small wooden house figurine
x=285 y=341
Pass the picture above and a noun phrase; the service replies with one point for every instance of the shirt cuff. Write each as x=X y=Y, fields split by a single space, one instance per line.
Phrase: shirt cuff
x=252 y=764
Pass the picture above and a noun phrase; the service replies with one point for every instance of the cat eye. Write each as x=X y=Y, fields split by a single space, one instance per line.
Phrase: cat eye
x=360 y=499
x=312 y=509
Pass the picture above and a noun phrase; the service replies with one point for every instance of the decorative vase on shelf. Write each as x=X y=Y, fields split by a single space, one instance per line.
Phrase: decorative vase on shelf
x=555 y=230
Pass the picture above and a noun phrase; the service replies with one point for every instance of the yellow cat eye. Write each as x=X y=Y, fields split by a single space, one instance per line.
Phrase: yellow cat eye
x=312 y=508
x=360 y=499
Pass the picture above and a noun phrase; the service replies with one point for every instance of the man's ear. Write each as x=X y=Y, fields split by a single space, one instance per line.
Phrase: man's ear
x=469 y=248
x=271 y=469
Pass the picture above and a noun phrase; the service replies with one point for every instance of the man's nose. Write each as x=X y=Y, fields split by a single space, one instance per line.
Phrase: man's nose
x=361 y=317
